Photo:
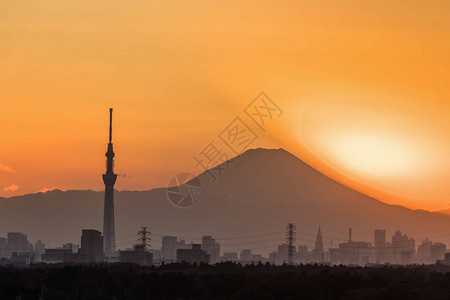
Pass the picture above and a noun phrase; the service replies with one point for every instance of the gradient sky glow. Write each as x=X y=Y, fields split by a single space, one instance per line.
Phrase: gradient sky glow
x=364 y=87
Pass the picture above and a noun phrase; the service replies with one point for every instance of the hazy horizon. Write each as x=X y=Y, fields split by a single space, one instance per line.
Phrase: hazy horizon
x=167 y=185
x=259 y=183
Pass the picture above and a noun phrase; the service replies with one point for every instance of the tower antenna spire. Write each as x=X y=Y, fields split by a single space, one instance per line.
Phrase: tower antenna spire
x=110 y=124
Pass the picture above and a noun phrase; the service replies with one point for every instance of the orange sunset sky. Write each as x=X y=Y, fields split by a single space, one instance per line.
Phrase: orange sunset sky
x=364 y=88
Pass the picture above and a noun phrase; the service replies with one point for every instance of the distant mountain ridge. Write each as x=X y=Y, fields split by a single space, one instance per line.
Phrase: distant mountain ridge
x=248 y=206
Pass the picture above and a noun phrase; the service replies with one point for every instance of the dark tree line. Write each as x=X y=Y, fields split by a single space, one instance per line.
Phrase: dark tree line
x=223 y=281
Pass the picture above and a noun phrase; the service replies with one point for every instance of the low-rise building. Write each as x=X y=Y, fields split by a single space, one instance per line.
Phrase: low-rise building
x=229 y=256
x=138 y=256
x=194 y=255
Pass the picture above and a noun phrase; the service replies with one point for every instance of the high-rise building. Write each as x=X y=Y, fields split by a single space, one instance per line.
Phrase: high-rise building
x=429 y=252
x=91 y=245
x=424 y=252
x=355 y=253
x=3 y=247
x=18 y=243
x=383 y=252
x=39 y=249
x=352 y=252
x=379 y=237
x=170 y=245
x=403 y=248
x=211 y=247
x=109 y=178
x=318 y=249
x=281 y=255
x=302 y=254
x=438 y=251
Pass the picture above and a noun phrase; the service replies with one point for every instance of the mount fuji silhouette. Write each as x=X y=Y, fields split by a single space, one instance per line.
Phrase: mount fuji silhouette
x=247 y=206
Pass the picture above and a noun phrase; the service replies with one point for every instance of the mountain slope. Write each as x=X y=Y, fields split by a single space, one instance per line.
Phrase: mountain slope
x=247 y=207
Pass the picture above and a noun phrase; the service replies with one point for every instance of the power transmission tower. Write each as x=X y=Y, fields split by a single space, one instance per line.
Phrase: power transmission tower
x=290 y=239
x=144 y=238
